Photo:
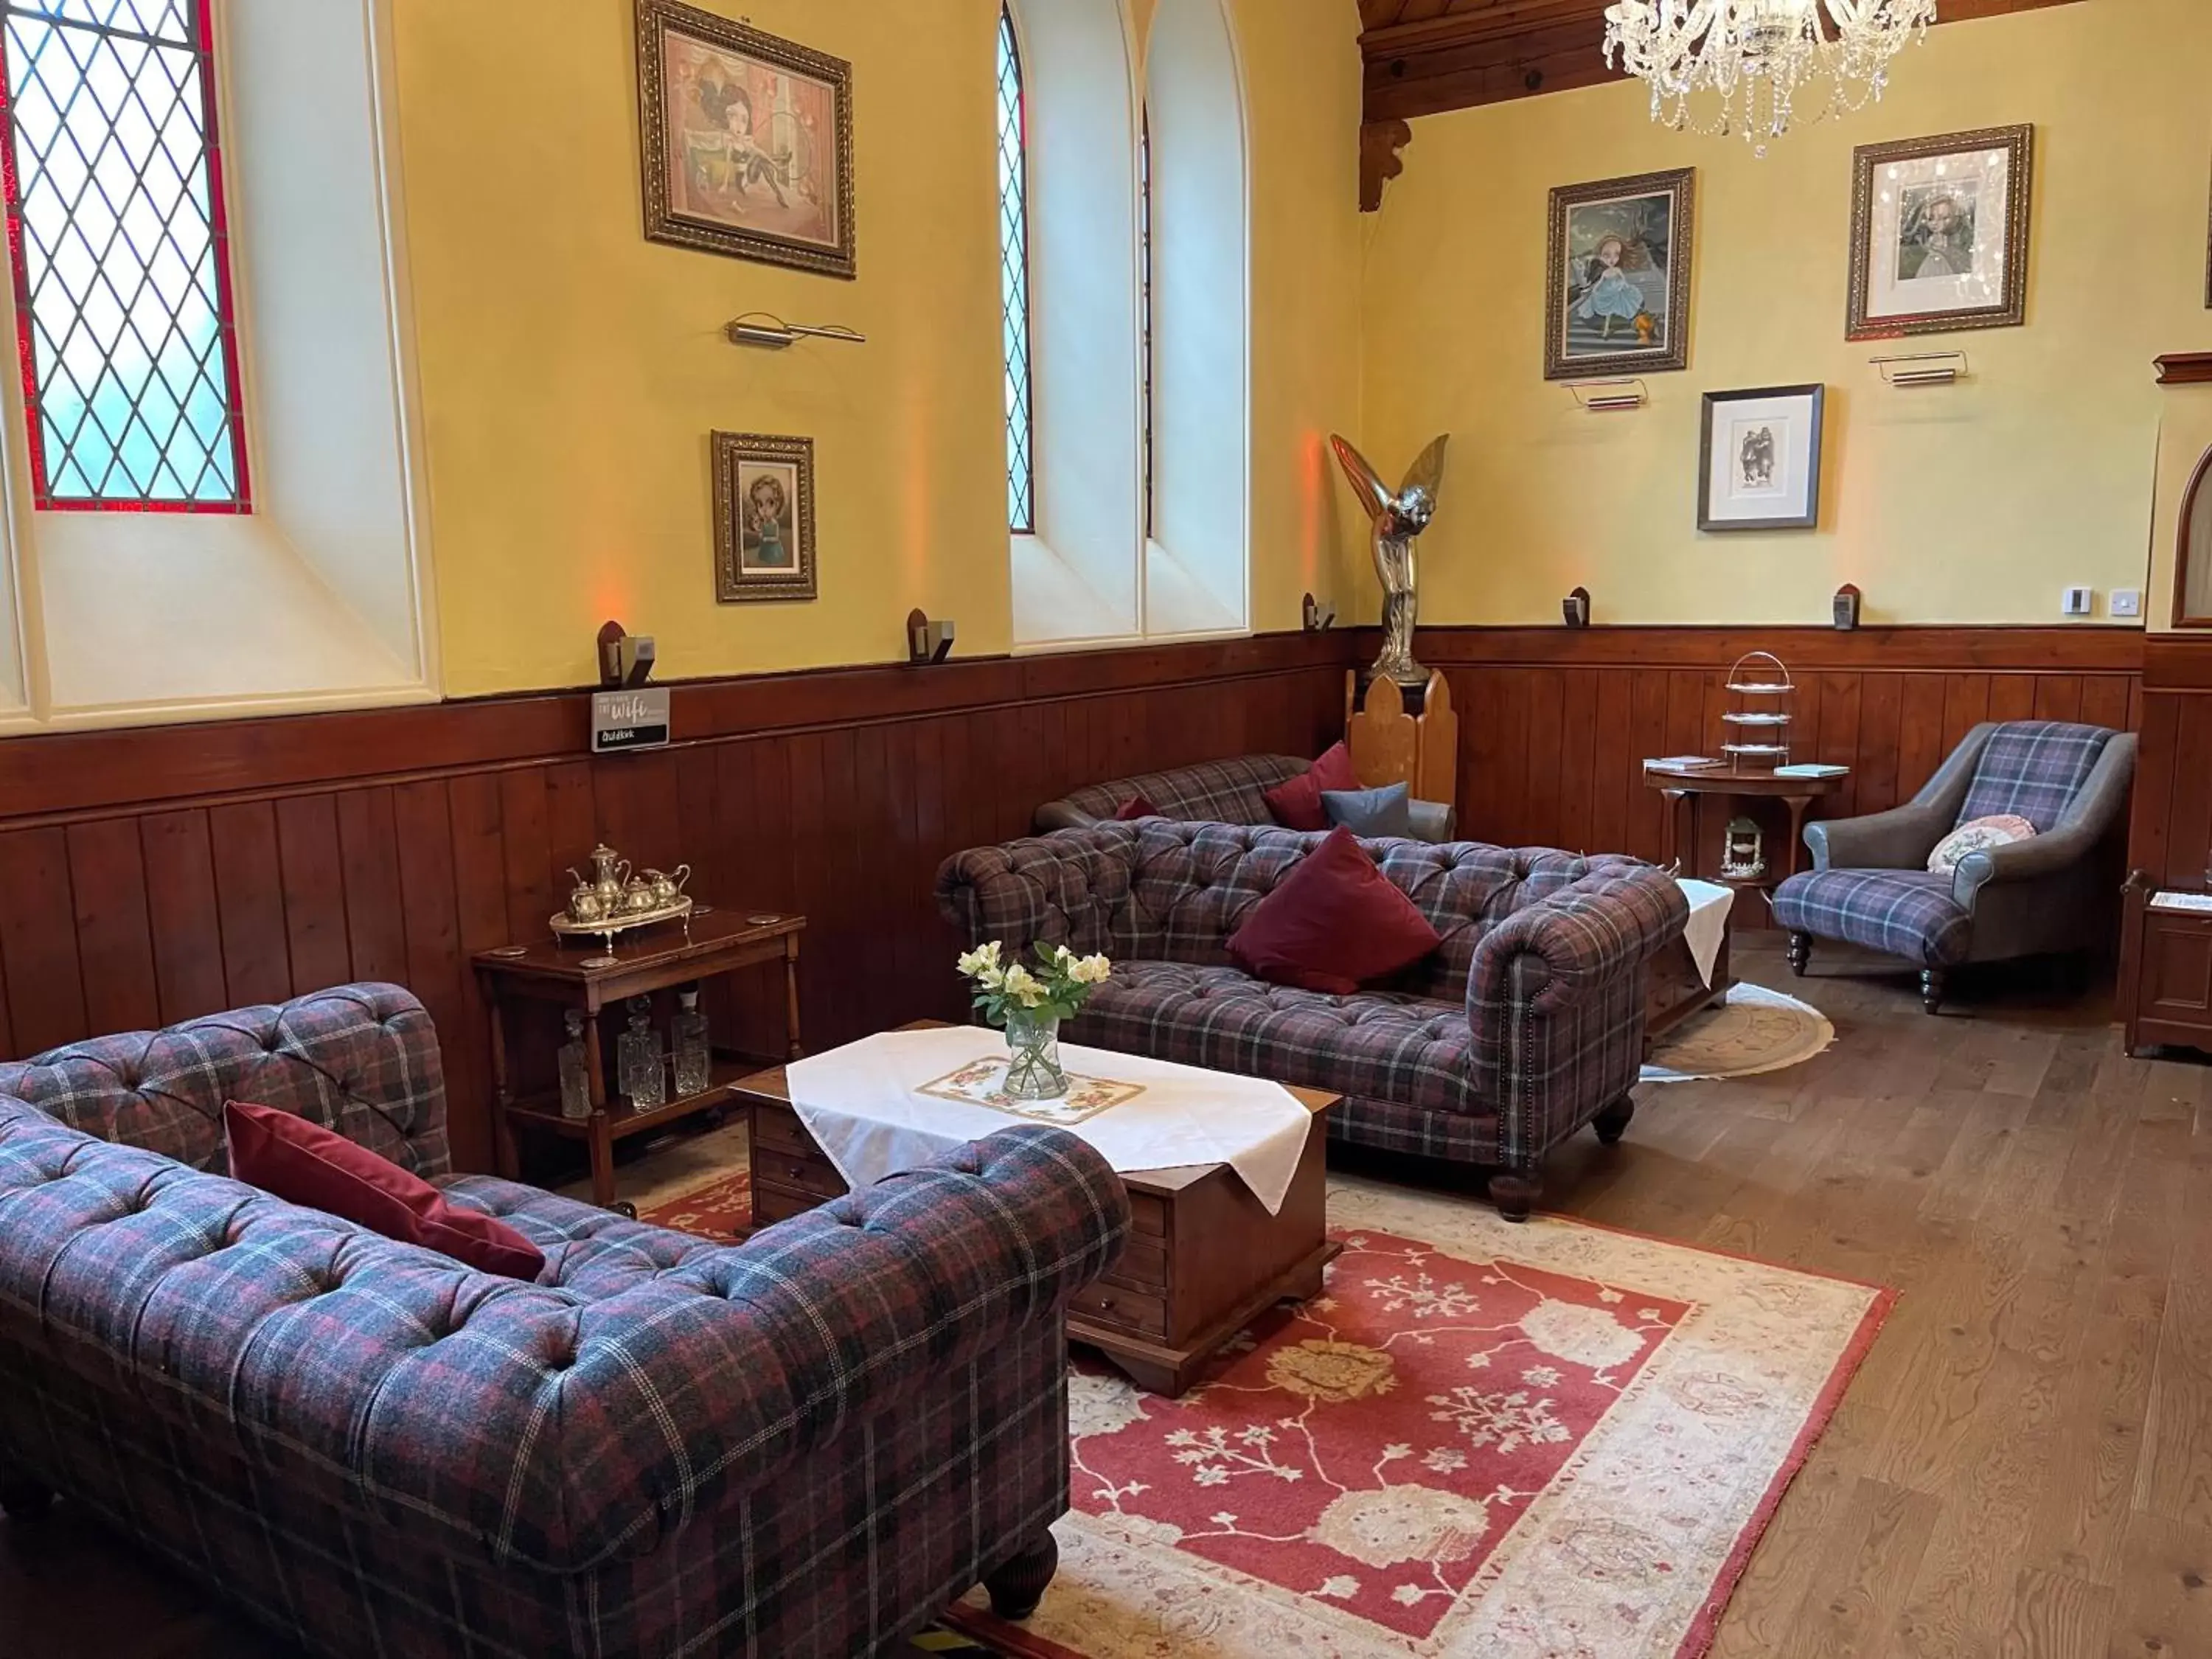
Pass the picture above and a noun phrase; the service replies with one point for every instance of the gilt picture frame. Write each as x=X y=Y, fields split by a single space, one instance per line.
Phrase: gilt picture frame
x=764 y=539
x=746 y=141
x=1759 y=458
x=1617 y=278
x=1940 y=234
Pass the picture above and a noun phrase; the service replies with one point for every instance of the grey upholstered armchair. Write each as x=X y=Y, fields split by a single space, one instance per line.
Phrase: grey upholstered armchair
x=2057 y=890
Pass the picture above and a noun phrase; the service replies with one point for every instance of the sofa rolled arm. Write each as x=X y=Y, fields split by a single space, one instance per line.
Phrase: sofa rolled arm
x=1606 y=925
x=1899 y=839
x=1059 y=889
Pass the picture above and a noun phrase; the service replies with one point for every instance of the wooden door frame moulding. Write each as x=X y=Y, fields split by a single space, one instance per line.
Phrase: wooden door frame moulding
x=1506 y=49
x=2029 y=647
x=128 y=770
x=2177 y=665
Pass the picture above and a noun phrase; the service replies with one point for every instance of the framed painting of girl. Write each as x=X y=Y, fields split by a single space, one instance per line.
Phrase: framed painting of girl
x=1618 y=280
x=764 y=517
x=746 y=140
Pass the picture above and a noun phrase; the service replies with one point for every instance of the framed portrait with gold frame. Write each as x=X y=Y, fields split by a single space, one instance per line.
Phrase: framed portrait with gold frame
x=746 y=140
x=764 y=517
x=1940 y=234
x=1618 y=276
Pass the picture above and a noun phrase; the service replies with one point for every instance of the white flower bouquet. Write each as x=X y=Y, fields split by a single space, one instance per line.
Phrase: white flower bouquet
x=1029 y=1004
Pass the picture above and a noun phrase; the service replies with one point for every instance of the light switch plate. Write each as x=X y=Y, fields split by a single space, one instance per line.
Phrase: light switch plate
x=2127 y=602
x=2075 y=602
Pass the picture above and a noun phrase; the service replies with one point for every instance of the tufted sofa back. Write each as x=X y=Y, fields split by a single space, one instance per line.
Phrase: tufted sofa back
x=1232 y=791
x=1161 y=890
x=360 y=1060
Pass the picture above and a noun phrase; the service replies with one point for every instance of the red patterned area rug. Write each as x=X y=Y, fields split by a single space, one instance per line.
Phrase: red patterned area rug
x=1546 y=1442
x=722 y=1211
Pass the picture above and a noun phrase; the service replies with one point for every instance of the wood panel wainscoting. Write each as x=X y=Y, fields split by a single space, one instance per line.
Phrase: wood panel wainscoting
x=1555 y=723
x=154 y=874
x=2165 y=956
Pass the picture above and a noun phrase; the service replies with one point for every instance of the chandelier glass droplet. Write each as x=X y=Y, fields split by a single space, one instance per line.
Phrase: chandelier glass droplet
x=1756 y=67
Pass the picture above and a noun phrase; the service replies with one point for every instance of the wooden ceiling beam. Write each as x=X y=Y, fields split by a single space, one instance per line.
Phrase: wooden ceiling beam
x=1420 y=60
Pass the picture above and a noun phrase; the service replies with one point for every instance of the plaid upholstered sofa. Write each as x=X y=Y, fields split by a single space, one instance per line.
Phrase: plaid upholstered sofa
x=2057 y=890
x=802 y=1448
x=1232 y=791
x=1527 y=1022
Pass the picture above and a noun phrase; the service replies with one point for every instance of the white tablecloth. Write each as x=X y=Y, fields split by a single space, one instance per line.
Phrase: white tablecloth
x=1709 y=913
x=861 y=1103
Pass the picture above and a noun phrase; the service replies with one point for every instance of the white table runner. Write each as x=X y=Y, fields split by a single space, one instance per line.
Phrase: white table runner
x=1710 y=903
x=863 y=1103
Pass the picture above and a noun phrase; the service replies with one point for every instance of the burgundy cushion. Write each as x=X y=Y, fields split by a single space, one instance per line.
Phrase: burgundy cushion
x=1335 y=923
x=1137 y=808
x=303 y=1162
x=1297 y=802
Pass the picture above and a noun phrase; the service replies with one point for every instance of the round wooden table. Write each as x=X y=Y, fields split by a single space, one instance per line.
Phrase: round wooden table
x=1729 y=785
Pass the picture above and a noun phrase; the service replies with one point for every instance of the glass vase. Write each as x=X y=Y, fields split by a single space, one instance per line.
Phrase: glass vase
x=1033 y=1067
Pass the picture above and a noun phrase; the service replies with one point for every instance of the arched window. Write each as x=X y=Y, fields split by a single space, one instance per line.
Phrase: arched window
x=128 y=339
x=1133 y=221
x=1014 y=277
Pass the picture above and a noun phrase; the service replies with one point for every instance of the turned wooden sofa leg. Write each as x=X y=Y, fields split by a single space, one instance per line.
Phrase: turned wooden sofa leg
x=1800 y=952
x=22 y=1498
x=1933 y=983
x=1516 y=1195
x=1018 y=1587
x=1612 y=1123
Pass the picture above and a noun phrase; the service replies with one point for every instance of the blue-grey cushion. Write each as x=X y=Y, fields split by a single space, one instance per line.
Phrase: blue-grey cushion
x=1371 y=814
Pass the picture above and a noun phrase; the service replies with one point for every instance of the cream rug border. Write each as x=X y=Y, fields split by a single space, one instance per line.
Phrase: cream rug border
x=1795 y=1337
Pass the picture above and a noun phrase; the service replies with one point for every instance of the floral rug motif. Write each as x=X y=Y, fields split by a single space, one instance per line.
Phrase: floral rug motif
x=722 y=1211
x=1545 y=1441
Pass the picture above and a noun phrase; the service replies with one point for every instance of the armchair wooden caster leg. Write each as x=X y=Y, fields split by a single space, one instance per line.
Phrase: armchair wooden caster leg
x=1800 y=952
x=1018 y=1587
x=22 y=1498
x=1612 y=1123
x=1514 y=1196
x=1932 y=983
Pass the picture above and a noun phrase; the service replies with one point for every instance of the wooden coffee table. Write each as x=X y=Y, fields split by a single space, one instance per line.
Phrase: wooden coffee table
x=1203 y=1258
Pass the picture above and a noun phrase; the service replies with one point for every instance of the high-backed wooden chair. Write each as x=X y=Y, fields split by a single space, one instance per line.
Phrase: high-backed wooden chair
x=1389 y=745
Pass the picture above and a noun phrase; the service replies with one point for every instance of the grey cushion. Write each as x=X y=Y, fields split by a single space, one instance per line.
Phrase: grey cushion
x=1433 y=820
x=1371 y=814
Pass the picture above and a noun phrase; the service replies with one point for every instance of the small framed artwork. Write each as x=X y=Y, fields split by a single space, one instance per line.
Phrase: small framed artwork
x=764 y=517
x=1619 y=275
x=1939 y=234
x=1759 y=459
x=746 y=139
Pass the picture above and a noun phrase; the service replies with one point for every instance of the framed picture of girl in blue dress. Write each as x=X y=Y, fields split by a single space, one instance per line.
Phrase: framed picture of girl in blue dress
x=1619 y=275
x=764 y=517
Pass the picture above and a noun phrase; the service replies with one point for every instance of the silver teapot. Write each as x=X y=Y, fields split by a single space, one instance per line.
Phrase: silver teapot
x=667 y=887
x=604 y=893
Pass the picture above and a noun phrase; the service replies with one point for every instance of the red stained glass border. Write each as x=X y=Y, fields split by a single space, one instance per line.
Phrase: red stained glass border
x=42 y=497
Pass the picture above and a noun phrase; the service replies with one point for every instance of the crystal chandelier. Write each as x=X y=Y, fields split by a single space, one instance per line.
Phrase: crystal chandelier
x=1762 y=60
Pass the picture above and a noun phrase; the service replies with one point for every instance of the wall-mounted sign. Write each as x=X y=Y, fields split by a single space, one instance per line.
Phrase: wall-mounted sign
x=636 y=719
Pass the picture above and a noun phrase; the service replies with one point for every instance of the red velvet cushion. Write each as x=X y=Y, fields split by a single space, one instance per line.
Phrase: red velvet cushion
x=303 y=1162
x=1334 y=924
x=1295 y=802
x=1137 y=808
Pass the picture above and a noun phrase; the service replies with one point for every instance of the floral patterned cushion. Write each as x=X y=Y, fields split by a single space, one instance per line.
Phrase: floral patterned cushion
x=1998 y=830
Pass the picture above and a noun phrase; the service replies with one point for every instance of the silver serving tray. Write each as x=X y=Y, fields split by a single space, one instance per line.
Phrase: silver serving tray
x=607 y=926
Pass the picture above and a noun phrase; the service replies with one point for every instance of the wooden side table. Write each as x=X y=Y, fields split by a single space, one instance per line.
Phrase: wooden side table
x=718 y=942
x=1729 y=787
x=1203 y=1258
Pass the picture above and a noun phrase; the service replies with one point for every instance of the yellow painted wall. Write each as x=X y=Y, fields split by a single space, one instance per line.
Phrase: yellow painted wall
x=1971 y=504
x=570 y=370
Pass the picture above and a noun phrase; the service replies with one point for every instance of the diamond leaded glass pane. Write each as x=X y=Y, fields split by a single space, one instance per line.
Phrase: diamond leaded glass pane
x=1014 y=276
x=121 y=285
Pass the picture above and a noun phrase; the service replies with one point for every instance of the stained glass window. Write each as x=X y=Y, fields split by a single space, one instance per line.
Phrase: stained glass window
x=117 y=236
x=1145 y=298
x=1014 y=277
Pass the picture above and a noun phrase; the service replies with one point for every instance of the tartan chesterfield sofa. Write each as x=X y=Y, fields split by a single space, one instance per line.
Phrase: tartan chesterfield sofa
x=804 y=1448
x=1231 y=791
x=1527 y=1022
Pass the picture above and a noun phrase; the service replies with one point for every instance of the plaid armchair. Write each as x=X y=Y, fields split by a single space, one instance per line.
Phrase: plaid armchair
x=1526 y=1025
x=2057 y=890
x=806 y=1446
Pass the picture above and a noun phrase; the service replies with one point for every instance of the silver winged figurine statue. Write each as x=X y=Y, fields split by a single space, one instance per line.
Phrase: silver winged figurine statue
x=1397 y=521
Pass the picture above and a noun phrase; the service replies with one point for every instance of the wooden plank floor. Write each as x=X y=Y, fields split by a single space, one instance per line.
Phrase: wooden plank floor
x=2023 y=1469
